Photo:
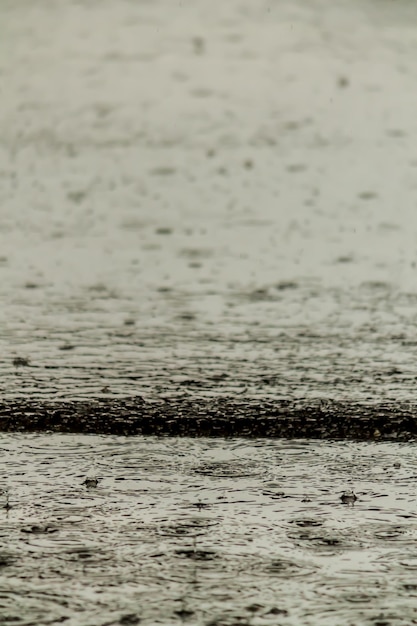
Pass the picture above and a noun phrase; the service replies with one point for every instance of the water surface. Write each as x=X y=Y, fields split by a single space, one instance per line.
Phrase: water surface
x=211 y=198
x=206 y=531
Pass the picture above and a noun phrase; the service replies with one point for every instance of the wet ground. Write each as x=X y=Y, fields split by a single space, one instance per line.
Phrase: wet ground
x=220 y=417
x=210 y=199
x=207 y=228
x=203 y=531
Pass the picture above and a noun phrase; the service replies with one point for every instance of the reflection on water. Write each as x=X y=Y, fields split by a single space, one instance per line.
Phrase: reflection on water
x=210 y=531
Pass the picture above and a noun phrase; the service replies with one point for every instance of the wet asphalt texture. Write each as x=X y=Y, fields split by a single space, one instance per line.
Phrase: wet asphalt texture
x=208 y=218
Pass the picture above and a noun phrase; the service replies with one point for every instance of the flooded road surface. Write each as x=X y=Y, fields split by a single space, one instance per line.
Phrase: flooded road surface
x=206 y=531
x=210 y=199
x=208 y=208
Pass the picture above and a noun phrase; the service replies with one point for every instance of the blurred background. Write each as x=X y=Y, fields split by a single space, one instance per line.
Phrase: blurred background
x=208 y=198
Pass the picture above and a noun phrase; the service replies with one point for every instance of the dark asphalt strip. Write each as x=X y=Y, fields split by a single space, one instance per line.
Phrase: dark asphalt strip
x=219 y=417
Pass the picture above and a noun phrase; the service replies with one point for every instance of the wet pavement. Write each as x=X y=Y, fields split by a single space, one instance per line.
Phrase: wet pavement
x=203 y=531
x=220 y=417
x=207 y=230
x=208 y=199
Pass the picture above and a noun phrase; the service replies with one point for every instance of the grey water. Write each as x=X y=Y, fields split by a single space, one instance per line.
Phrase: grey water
x=207 y=199
x=219 y=532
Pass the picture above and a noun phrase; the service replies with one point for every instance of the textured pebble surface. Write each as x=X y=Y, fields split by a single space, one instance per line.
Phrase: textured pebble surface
x=217 y=418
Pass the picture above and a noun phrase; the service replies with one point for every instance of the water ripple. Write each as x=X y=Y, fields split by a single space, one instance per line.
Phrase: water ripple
x=172 y=521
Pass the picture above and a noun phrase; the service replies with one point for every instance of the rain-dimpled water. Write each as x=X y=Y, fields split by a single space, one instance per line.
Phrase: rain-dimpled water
x=207 y=201
x=206 y=531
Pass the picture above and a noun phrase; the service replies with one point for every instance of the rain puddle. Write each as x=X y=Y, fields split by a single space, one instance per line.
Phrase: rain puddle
x=102 y=530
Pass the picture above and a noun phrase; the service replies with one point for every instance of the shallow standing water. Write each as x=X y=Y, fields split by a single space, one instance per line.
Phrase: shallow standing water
x=207 y=201
x=207 y=532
